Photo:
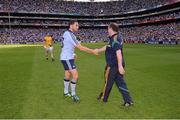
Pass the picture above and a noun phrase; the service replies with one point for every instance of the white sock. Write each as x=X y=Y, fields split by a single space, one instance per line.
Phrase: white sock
x=73 y=87
x=66 y=86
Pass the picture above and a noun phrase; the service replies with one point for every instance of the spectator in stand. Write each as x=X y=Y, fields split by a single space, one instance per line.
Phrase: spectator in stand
x=130 y=34
x=71 y=7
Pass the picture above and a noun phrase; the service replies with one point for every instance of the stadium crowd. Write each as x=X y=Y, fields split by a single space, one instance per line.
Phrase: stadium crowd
x=138 y=20
x=143 y=34
x=154 y=33
x=93 y=8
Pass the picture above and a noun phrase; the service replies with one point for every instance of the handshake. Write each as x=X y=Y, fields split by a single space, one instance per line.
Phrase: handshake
x=91 y=51
x=95 y=51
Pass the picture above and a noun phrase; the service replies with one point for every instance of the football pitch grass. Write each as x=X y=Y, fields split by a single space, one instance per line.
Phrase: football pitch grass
x=32 y=87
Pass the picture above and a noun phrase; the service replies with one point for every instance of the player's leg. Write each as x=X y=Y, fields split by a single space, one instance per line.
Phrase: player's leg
x=121 y=84
x=46 y=52
x=74 y=74
x=109 y=84
x=52 y=53
x=74 y=80
x=106 y=73
x=67 y=76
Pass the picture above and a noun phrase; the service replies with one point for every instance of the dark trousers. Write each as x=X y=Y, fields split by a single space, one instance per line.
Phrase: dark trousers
x=112 y=75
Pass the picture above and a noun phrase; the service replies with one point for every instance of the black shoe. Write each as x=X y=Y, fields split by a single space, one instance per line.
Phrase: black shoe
x=53 y=59
x=100 y=96
x=128 y=104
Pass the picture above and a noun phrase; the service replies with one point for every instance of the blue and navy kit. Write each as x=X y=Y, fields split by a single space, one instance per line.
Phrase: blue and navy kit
x=115 y=43
x=112 y=74
x=68 y=64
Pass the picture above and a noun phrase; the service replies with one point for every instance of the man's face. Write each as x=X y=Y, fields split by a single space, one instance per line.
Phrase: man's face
x=75 y=27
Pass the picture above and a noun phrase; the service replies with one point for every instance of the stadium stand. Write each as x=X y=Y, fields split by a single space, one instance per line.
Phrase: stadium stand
x=27 y=22
x=70 y=7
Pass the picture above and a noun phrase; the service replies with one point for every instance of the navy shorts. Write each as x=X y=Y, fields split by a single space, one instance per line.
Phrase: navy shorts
x=68 y=64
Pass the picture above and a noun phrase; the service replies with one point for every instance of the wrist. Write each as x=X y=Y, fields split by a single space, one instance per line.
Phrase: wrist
x=120 y=66
x=98 y=50
x=92 y=51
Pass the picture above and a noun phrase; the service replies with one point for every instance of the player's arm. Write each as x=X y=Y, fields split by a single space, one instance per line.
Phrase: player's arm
x=117 y=46
x=76 y=43
x=119 y=59
x=102 y=49
x=52 y=41
x=44 y=43
x=86 y=49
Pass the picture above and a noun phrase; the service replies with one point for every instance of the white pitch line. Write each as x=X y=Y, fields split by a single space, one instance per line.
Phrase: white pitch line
x=15 y=46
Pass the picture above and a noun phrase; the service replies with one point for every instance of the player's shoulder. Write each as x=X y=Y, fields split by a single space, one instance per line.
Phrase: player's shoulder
x=118 y=39
x=119 y=36
x=67 y=32
x=45 y=37
x=115 y=42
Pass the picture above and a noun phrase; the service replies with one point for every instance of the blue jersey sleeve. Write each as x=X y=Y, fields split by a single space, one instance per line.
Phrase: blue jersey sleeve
x=117 y=43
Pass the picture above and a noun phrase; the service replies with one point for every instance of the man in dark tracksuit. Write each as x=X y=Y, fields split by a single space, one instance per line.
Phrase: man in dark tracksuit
x=114 y=71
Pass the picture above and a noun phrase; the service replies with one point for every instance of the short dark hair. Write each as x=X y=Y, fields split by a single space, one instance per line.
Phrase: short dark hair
x=114 y=27
x=71 y=22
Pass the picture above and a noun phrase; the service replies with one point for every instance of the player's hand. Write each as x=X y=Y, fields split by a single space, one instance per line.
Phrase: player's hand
x=96 y=51
x=75 y=56
x=121 y=70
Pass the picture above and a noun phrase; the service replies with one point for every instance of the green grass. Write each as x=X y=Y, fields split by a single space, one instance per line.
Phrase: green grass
x=31 y=87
